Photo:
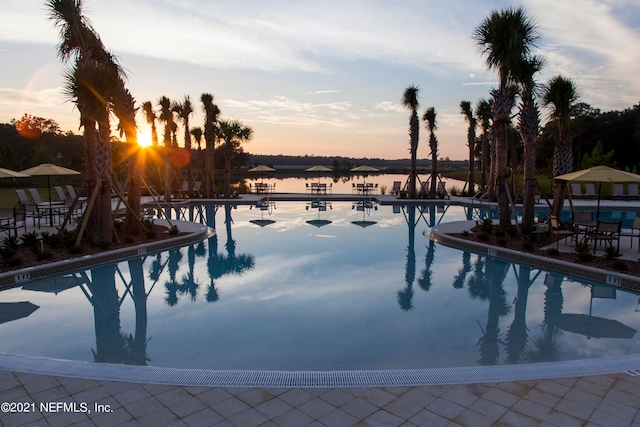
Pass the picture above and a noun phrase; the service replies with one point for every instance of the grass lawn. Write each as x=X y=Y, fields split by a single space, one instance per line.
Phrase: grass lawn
x=9 y=198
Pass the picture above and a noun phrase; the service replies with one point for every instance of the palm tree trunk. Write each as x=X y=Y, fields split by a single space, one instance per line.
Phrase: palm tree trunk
x=414 y=127
x=529 y=126
x=503 y=103
x=227 y=176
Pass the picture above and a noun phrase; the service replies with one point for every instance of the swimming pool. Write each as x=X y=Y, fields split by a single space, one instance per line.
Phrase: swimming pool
x=319 y=287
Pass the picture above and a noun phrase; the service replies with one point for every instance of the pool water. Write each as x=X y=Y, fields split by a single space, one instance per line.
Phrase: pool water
x=308 y=286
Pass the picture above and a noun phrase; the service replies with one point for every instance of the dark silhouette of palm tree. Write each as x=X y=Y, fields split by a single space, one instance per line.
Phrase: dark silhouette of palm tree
x=405 y=296
x=137 y=345
x=518 y=333
x=458 y=281
x=410 y=101
x=171 y=287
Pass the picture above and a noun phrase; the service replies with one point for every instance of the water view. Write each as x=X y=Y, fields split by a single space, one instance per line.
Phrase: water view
x=320 y=286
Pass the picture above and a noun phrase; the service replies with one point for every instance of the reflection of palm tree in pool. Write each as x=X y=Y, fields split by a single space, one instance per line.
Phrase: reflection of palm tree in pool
x=496 y=272
x=458 y=281
x=138 y=344
x=219 y=265
x=518 y=333
x=426 y=274
x=110 y=344
x=405 y=296
x=546 y=347
x=189 y=285
x=175 y=256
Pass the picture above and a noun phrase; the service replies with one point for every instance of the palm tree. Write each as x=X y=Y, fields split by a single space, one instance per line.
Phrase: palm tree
x=166 y=116
x=89 y=84
x=529 y=126
x=233 y=133
x=467 y=112
x=185 y=110
x=560 y=94
x=211 y=115
x=150 y=117
x=80 y=40
x=197 y=136
x=430 y=118
x=505 y=38
x=410 y=100
x=93 y=65
x=484 y=113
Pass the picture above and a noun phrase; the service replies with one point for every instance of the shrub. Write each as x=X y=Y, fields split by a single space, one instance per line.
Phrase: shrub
x=527 y=246
x=553 y=252
x=500 y=232
x=13 y=261
x=487 y=225
x=403 y=194
x=383 y=189
x=455 y=191
x=502 y=241
x=173 y=230
x=466 y=233
x=610 y=252
x=30 y=240
x=75 y=250
x=512 y=231
x=151 y=233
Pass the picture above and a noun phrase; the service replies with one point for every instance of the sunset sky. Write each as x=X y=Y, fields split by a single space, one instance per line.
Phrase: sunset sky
x=323 y=77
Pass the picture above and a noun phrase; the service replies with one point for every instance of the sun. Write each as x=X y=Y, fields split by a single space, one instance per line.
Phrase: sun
x=144 y=139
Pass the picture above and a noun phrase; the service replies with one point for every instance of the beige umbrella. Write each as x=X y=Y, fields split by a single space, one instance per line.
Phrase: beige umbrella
x=8 y=173
x=262 y=169
x=319 y=169
x=365 y=169
x=10 y=311
x=48 y=170
x=599 y=174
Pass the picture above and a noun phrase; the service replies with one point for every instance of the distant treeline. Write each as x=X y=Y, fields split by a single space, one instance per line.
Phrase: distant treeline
x=302 y=162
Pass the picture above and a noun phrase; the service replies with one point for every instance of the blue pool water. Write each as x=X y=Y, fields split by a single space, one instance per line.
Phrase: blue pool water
x=298 y=286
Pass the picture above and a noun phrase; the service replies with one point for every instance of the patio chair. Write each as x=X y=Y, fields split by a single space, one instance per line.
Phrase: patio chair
x=15 y=222
x=606 y=231
x=73 y=195
x=590 y=190
x=632 y=232
x=583 y=222
x=576 y=190
x=29 y=207
x=618 y=191
x=559 y=232
x=197 y=188
x=632 y=191
x=396 y=188
x=442 y=190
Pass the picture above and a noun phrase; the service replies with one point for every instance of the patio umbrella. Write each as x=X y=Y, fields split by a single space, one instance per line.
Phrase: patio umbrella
x=321 y=205
x=262 y=169
x=263 y=206
x=48 y=170
x=320 y=169
x=365 y=207
x=16 y=310
x=599 y=174
x=593 y=326
x=53 y=284
x=8 y=173
x=365 y=169
x=262 y=222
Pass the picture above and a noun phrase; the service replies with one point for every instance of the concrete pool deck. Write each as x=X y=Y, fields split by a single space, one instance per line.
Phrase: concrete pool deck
x=582 y=398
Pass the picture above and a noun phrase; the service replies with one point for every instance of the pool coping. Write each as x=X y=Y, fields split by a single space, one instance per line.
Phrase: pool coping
x=440 y=234
x=194 y=232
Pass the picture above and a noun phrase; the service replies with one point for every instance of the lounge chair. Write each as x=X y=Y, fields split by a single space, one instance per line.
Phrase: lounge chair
x=632 y=191
x=442 y=191
x=15 y=222
x=618 y=191
x=29 y=207
x=576 y=190
x=396 y=188
x=590 y=190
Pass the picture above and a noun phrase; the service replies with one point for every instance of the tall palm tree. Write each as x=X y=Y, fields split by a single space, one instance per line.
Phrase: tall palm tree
x=233 y=133
x=166 y=116
x=211 y=116
x=80 y=40
x=529 y=127
x=89 y=84
x=484 y=112
x=92 y=65
x=505 y=38
x=150 y=117
x=185 y=110
x=432 y=126
x=196 y=132
x=560 y=94
x=410 y=100
x=467 y=112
